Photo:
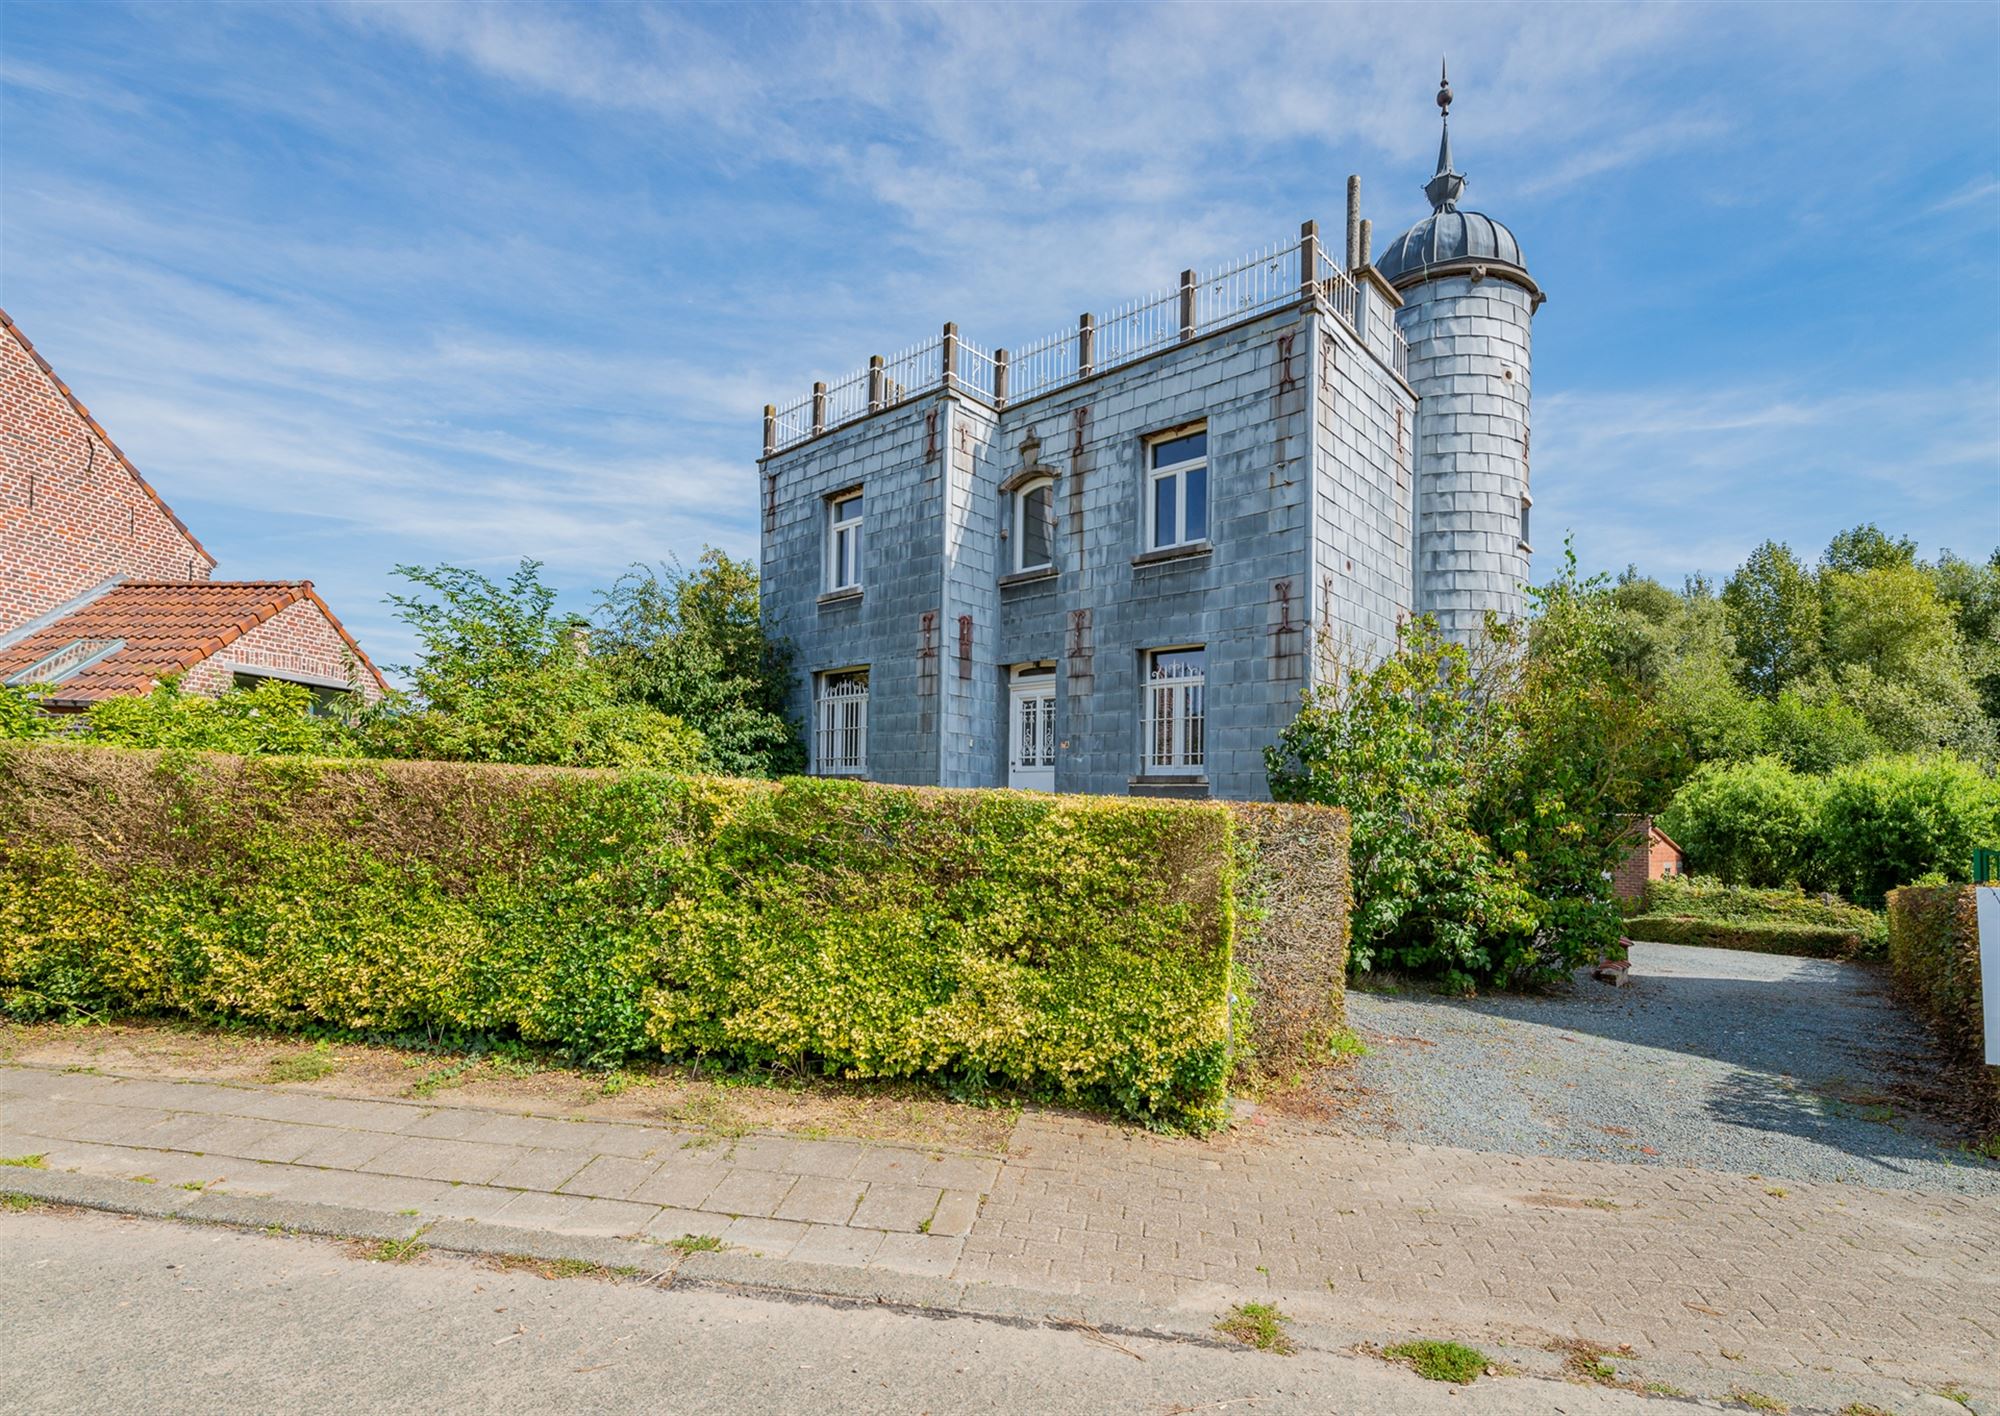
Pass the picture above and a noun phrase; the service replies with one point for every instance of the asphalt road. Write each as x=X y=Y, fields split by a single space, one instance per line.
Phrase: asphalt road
x=109 y=1315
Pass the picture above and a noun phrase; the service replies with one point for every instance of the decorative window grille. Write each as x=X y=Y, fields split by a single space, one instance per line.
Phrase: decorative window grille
x=1035 y=728
x=1177 y=490
x=1175 y=722
x=1034 y=525
x=840 y=739
x=843 y=560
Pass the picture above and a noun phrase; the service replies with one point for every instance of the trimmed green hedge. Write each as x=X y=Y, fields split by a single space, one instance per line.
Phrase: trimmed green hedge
x=1076 y=947
x=1701 y=911
x=1934 y=958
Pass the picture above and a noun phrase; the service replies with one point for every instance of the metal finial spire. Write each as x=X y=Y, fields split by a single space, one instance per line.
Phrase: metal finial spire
x=1446 y=184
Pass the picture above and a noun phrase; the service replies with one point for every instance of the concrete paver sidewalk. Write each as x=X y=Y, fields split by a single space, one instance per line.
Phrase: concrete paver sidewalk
x=1832 y=1286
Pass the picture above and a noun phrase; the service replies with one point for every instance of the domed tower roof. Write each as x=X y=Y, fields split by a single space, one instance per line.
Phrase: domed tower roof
x=1449 y=240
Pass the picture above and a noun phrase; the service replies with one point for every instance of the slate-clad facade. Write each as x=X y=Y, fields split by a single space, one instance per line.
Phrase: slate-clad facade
x=1308 y=458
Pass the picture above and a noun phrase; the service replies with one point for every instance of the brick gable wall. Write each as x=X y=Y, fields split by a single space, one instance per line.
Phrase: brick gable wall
x=73 y=513
x=297 y=641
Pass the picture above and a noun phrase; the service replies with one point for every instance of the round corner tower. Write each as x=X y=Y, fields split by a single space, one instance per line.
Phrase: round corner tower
x=1467 y=303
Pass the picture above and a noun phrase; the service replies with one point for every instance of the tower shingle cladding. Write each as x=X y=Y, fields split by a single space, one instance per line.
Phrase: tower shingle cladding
x=1469 y=363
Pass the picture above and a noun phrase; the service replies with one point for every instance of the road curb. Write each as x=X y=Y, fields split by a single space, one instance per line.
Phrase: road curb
x=738 y=1271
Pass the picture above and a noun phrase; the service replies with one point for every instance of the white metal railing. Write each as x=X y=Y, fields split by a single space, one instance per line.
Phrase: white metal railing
x=1338 y=285
x=1265 y=280
x=1137 y=329
x=1260 y=281
x=1399 y=352
x=1047 y=363
x=977 y=370
x=917 y=368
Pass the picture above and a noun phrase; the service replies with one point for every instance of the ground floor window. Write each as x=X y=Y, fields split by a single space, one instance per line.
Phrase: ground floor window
x=1174 y=722
x=840 y=737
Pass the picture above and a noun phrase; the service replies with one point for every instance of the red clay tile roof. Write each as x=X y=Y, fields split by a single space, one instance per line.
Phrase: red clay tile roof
x=168 y=626
x=84 y=413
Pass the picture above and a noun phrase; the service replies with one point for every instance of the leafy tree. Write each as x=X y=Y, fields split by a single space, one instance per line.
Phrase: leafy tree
x=1814 y=729
x=1774 y=615
x=1892 y=642
x=505 y=677
x=1400 y=744
x=691 y=644
x=1973 y=592
x=1490 y=789
x=1868 y=547
x=1582 y=752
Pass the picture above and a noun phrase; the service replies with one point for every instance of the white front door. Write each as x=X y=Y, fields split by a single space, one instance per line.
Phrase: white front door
x=1031 y=735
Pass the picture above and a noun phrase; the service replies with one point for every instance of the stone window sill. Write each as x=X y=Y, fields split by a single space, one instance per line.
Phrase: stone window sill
x=850 y=595
x=1028 y=577
x=1192 y=551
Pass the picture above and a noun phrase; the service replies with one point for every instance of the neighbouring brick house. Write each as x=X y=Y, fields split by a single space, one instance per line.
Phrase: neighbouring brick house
x=1114 y=560
x=1653 y=856
x=104 y=591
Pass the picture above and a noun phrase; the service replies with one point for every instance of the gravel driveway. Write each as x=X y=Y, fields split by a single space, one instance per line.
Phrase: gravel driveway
x=1753 y=1063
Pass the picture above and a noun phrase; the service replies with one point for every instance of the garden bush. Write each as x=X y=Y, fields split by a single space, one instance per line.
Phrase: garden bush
x=1699 y=910
x=1934 y=959
x=1747 y=823
x=1076 y=947
x=1892 y=821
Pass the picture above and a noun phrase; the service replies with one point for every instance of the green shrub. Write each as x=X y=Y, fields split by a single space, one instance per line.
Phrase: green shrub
x=1747 y=823
x=1697 y=910
x=1077 y=947
x=1892 y=821
x=1934 y=959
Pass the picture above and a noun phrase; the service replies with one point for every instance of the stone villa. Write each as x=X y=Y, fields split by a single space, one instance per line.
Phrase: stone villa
x=1113 y=560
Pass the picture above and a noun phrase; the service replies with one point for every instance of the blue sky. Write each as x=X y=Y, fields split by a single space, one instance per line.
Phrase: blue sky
x=361 y=285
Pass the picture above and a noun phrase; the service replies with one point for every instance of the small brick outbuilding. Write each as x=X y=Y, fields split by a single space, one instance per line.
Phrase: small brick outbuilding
x=1653 y=856
x=104 y=591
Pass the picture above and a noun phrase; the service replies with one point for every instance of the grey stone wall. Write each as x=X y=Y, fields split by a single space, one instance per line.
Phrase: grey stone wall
x=1469 y=362
x=884 y=628
x=1309 y=525
x=1366 y=417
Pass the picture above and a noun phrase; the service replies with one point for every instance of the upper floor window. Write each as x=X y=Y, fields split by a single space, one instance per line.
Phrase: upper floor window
x=840 y=726
x=843 y=542
x=1175 y=715
x=1177 y=489
x=1527 y=505
x=1034 y=525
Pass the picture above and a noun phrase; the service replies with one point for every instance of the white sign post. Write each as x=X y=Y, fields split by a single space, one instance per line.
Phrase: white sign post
x=1989 y=967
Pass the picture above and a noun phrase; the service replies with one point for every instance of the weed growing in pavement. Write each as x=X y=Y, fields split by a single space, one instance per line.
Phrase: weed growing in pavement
x=26 y=1162
x=1757 y=1401
x=1862 y=1408
x=695 y=1243
x=311 y=1065
x=1776 y=1192
x=16 y=1203
x=450 y=1075
x=397 y=1251
x=195 y=1185
x=1440 y=1361
x=1952 y=1391
x=1260 y=1325
x=145 y=1179
x=1664 y=1389
x=576 y=1268
x=1346 y=1042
